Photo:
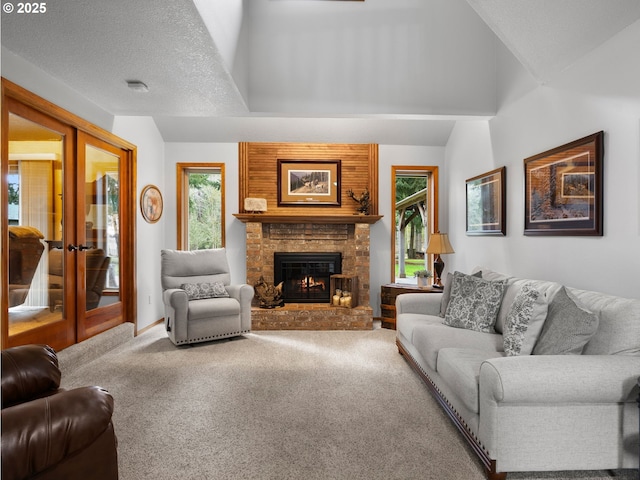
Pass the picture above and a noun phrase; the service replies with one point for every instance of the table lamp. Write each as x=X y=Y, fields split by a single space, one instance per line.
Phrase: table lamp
x=439 y=244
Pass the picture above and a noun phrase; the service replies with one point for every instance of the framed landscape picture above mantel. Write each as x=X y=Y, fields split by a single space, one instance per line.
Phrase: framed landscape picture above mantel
x=563 y=189
x=308 y=182
x=486 y=203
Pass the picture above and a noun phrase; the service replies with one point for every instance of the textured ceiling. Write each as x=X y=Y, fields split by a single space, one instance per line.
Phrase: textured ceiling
x=391 y=72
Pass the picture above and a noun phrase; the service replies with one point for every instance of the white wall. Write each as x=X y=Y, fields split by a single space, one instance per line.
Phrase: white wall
x=537 y=121
x=226 y=153
x=382 y=234
x=34 y=79
x=150 y=237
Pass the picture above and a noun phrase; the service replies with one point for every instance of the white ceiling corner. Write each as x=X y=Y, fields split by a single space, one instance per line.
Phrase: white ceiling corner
x=547 y=36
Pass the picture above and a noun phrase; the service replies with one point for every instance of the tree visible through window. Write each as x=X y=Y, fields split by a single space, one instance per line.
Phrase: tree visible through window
x=201 y=196
x=415 y=198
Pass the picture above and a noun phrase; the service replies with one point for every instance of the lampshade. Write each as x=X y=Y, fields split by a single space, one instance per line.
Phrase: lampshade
x=439 y=243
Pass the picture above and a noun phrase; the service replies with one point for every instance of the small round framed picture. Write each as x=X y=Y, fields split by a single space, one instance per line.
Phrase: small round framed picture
x=151 y=203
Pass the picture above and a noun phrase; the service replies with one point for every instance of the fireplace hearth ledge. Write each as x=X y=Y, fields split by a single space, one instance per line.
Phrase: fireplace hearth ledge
x=312 y=316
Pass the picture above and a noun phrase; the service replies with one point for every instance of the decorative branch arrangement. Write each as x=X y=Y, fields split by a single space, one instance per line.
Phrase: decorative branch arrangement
x=364 y=200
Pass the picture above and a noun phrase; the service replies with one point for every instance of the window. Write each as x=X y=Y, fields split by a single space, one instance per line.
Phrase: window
x=200 y=205
x=415 y=198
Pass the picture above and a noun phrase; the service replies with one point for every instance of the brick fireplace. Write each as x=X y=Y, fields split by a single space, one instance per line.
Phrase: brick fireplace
x=300 y=227
x=350 y=239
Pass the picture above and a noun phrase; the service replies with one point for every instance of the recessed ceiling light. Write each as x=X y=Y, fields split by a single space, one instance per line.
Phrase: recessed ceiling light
x=137 y=86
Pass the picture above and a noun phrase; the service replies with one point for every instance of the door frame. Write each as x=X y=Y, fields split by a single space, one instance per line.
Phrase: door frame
x=128 y=180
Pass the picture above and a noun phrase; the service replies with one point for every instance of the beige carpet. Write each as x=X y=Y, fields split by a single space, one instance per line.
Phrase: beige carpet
x=280 y=405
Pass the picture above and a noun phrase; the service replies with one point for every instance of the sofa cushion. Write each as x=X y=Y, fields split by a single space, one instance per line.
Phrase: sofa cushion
x=460 y=369
x=446 y=292
x=213 y=307
x=474 y=303
x=524 y=321
x=618 y=330
x=198 y=291
x=568 y=327
x=428 y=339
x=406 y=323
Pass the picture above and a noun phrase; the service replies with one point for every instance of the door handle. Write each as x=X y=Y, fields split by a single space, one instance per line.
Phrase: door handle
x=71 y=247
x=83 y=247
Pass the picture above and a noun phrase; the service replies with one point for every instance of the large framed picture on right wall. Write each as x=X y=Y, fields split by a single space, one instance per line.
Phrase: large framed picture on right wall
x=563 y=189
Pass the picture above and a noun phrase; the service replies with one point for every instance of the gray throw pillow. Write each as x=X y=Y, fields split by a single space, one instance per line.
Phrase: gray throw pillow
x=198 y=291
x=474 y=303
x=568 y=327
x=446 y=292
x=524 y=321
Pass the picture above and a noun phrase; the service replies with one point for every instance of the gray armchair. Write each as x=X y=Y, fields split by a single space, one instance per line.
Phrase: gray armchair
x=199 y=302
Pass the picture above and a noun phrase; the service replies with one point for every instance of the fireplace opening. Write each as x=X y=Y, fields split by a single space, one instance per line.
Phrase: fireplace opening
x=306 y=276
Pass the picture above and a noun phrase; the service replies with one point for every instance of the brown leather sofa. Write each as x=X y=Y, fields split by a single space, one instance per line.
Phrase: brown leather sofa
x=48 y=432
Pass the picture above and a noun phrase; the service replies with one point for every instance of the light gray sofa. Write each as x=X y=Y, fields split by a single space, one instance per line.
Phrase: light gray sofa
x=572 y=407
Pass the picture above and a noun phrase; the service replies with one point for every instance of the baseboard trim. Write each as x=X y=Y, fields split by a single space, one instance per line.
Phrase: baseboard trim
x=149 y=327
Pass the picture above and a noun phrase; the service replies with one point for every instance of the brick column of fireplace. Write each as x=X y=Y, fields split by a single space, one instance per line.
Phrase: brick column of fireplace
x=352 y=240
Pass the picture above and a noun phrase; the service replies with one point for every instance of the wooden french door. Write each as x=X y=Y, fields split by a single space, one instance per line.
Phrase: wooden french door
x=67 y=226
x=98 y=247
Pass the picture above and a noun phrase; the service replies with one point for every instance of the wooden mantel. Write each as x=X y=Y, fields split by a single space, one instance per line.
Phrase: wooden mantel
x=317 y=219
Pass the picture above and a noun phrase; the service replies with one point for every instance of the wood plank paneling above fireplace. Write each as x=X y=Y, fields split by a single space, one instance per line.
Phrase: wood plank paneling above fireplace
x=258 y=174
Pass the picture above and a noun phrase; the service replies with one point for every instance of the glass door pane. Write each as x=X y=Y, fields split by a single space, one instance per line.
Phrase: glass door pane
x=35 y=217
x=99 y=228
x=102 y=227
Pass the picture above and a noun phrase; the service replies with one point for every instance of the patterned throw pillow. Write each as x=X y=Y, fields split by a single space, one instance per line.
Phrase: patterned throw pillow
x=198 y=291
x=524 y=321
x=568 y=328
x=474 y=303
x=446 y=292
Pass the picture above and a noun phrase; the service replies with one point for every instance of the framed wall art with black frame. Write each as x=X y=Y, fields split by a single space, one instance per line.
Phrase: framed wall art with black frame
x=309 y=182
x=563 y=189
x=486 y=203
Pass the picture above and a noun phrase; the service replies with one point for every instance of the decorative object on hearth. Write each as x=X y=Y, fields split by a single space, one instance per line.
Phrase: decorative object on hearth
x=335 y=301
x=487 y=203
x=345 y=300
x=270 y=295
x=364 y=200
x=346 y=290
x=255 y=205
x=423 y=276
x=563 y=189
x=438 y=245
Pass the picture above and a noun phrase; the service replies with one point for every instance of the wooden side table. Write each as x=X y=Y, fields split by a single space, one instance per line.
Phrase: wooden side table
x=388 y=296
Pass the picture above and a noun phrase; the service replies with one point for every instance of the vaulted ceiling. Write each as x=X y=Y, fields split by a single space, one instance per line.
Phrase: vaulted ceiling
x=223 y=70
